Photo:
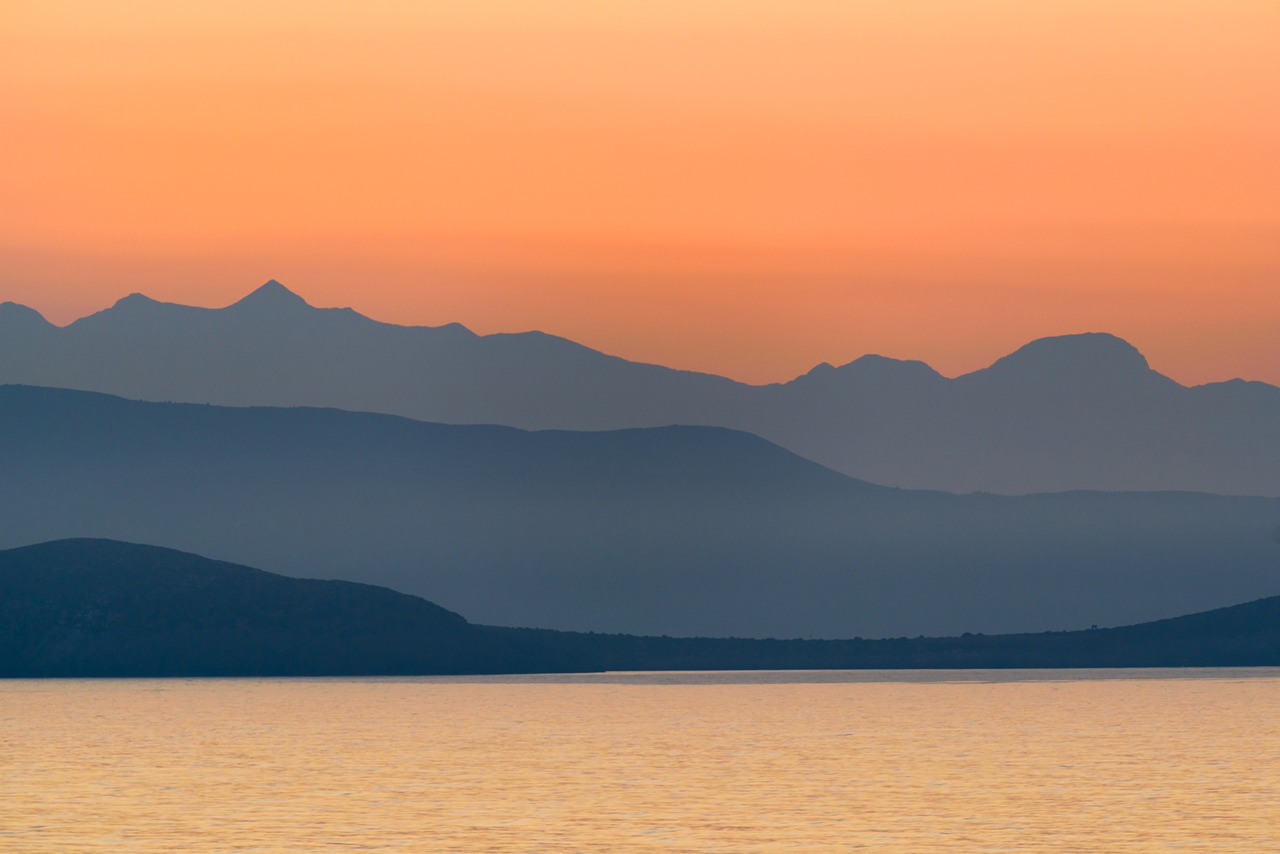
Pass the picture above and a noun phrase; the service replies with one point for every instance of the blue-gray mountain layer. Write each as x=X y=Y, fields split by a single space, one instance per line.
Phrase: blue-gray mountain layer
x=101 y=608
x=679 y=531
x=1076 y=412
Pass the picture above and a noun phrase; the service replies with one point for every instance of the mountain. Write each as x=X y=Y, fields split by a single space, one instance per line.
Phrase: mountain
x=1075 y=412
x=678 y=530
x=102 y=608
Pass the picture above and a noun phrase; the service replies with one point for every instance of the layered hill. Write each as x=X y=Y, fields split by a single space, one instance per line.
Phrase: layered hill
x=1076 y=412
x=678 y=531
x=102 y=608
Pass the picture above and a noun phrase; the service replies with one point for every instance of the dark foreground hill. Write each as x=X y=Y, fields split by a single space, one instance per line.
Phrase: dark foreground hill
x=678 y=531
x=78 y=608
x=103 y=608
x=1074 y=412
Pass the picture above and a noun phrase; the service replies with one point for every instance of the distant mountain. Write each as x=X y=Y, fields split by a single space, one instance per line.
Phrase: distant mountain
x=679 y=531
x=1076 y=412
x=101 y=608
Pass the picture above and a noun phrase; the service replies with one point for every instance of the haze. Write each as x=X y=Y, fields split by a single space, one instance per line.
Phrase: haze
x=746 y=188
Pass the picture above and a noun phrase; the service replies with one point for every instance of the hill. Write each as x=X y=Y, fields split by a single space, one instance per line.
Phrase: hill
x=103 y=608
x=678 y=531
x=78 y=608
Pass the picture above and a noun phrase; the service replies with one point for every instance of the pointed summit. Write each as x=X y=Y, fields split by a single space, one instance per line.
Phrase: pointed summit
x=271 y=296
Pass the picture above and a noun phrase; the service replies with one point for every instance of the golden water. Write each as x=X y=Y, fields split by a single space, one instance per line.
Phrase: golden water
x=1056 y=761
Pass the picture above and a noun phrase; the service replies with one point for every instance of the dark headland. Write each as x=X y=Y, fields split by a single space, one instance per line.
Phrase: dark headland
x=100 y=608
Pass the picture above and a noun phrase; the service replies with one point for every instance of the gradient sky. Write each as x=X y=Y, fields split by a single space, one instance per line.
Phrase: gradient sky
x=742 y=187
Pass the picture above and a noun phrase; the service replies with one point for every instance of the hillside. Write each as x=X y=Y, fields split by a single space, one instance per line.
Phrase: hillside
x=677 y=531
x=104 y=608
x=77 y=608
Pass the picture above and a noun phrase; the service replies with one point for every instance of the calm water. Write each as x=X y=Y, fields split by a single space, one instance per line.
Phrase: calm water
x=980 y=761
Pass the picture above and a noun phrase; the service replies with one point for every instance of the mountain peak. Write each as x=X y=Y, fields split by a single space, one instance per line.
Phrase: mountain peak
x=1084 y=354
x=871 y=368
x=271 y=296
x=876 y=365
x=134 y=299
x=17 y=315
x=822 y=369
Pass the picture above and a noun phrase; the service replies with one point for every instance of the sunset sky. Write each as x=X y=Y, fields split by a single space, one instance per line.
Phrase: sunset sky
x=741 y=187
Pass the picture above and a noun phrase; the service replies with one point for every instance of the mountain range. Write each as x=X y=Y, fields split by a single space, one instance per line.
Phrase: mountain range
x=101 y=608
x=1068 y=413
x=679 y=530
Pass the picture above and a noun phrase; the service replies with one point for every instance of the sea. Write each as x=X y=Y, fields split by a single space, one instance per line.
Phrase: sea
x=913 y=761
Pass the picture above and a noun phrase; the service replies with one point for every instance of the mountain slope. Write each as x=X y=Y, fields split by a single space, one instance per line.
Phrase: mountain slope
x=1076 y=412
x=103 y=608
x=688 y=531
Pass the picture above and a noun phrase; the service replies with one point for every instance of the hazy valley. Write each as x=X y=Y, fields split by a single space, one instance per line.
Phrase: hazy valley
x=677 y=530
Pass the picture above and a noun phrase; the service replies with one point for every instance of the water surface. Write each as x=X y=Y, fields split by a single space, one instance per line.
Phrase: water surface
x=1117 y=761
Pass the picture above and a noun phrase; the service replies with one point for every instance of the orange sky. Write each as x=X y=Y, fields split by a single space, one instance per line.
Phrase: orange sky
x=742 y=187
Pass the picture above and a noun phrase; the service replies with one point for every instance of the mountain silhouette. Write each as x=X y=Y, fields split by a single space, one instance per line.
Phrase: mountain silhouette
x=677 y=530
x=15 y=318
x=1092 y=357
x=271 y=297
x=103 y=608
x=1073 y=412
x=85 y=607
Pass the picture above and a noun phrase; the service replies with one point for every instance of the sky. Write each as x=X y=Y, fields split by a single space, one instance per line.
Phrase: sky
x=741 y=187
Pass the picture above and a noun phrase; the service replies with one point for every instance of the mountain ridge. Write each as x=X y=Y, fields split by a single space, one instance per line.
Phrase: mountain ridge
x=273 y=295
x=672 y=530
x=1058 y=414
